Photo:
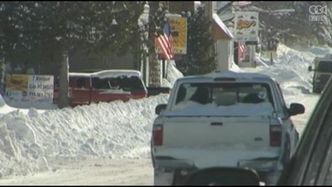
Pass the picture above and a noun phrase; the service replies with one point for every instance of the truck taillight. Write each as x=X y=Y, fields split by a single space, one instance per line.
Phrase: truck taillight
x=157 y=135
x=275 y=135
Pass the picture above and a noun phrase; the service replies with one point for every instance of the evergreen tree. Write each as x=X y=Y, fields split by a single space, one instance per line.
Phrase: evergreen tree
x=200 y=43
x=43 y=32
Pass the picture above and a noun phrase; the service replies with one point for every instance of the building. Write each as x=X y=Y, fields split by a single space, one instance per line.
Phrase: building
x=223 y=43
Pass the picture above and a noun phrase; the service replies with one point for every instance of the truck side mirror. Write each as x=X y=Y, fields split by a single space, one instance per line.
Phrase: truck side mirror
x=160 y=108
x=309 y=68
x=296 y=108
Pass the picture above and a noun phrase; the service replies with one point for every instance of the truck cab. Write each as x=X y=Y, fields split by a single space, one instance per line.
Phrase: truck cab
x=322 y=71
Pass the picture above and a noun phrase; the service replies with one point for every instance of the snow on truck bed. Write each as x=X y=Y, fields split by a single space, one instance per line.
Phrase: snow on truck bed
x=240 y=109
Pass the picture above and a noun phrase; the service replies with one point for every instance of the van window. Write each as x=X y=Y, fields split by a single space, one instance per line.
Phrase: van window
x=324 y=66
x=98 y=83
x=131 y=84
x=124 y=83
x=80 y=83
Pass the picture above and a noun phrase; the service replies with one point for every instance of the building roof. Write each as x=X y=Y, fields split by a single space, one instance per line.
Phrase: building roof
x=222 y=26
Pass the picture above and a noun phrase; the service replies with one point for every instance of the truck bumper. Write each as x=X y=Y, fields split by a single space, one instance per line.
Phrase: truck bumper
x=170 y=171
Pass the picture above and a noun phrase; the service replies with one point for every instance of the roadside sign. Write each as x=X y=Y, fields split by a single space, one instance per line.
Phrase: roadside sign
x=179 y=34
x=246 y=26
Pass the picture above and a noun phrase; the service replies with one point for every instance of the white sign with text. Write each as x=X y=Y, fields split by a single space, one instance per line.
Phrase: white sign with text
x=40 y=87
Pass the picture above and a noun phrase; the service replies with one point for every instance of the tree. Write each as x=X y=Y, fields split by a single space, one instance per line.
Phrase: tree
x=200 y=42
x=49 y=31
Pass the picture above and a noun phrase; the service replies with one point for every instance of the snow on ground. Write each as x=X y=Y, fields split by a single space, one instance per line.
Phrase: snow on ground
x=108 y=143
x=113 y=130
x=291 y=71
x=172 y=74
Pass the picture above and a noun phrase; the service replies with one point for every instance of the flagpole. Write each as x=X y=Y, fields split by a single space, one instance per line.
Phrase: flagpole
x=166 y=67
x=163 y=68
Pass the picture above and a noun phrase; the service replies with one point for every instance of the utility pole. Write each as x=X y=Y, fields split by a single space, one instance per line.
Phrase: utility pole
x=154 y=70
x=208 y=7
x=64 y=81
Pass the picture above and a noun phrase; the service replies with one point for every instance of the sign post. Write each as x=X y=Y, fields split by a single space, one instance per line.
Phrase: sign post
x=246 y=31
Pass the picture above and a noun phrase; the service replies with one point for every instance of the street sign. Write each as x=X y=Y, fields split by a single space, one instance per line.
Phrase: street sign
x=246 y=26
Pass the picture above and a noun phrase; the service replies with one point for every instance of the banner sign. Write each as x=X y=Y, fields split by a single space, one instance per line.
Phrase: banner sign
x=21 y=87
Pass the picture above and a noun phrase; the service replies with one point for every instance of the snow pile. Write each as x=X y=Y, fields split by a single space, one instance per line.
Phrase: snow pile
x=113 y=130
x=5 y=109
x=291 y=71
x=26 y=104
x=172 y=75
x=235 y=67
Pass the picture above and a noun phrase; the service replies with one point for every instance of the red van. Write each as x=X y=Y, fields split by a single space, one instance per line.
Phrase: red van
x=105 y=86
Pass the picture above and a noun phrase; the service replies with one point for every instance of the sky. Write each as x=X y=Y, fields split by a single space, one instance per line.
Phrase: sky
x=34 y=142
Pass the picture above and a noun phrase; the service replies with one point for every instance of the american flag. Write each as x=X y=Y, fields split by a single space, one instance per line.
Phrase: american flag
x=241 y=51
x=164 y=41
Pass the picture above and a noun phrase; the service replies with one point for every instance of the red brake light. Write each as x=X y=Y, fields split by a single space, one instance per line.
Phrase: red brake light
x=157 y=135
x=275 y=135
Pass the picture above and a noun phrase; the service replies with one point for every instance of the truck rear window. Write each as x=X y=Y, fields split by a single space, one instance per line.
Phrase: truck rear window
x=224 y=94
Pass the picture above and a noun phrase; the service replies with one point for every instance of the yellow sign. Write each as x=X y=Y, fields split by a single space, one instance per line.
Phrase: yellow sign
x=17 y=82
x=179 y=34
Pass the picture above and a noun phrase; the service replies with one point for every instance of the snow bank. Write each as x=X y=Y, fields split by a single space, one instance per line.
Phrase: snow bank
x=291 y=69
x=112 y=130
x=5 y=109
x=172 y=74
x=235 y=67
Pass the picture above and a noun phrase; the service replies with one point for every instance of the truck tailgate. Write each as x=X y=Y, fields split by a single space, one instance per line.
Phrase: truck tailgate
x=215 y=131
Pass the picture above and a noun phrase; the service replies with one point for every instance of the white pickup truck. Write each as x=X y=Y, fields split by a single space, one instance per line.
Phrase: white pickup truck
x=225 y=119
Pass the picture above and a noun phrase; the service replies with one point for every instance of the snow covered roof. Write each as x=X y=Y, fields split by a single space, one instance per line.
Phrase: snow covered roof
x=116 y=73
x=75 y=74
x=109 y=73
x=221 y=25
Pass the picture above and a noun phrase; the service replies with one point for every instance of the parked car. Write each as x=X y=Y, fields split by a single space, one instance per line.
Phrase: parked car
x=322 y=72
x=223 y=119
x=105 y=86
